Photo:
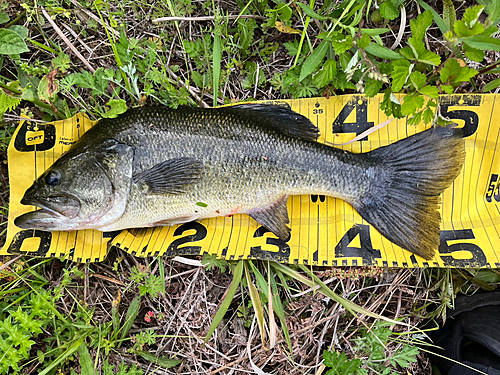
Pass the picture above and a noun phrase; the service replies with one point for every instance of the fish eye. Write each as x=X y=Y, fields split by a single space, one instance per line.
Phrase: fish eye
x=53 y=178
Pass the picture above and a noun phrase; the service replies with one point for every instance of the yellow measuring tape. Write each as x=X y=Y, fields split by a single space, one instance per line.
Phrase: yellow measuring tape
x=325 y=231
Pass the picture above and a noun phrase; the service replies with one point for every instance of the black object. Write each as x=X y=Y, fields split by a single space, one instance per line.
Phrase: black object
x=470 y=336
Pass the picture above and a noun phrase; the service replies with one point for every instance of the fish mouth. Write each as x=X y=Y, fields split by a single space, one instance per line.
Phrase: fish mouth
x=57 y=205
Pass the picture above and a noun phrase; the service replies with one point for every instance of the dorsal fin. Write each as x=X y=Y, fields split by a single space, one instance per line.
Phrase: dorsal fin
x=281 y=119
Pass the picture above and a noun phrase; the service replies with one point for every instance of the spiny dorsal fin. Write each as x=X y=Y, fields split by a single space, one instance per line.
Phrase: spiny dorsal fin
x=274 y=217
x=173 y=176
x=280 y=119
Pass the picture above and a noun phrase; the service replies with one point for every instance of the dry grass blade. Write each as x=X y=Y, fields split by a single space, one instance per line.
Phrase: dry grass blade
x=257 y=304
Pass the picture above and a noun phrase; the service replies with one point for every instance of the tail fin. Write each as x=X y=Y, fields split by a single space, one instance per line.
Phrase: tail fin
x=403 y=203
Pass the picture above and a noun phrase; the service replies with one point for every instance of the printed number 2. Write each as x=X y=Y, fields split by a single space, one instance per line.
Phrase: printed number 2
x=447 y=251
x=201 y=233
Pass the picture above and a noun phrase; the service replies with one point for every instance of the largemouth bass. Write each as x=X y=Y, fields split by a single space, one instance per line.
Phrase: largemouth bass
x=160 y=166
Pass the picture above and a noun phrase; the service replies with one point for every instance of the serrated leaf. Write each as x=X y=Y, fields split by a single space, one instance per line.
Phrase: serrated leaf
x=407 y=53
x=452 y=71
x=326 y=74
x=364 y=41
x=389 y=10
x=418 y=79
x=314 y=59
x=462 y=30
x=483 y=42
x=311 y=13
x=471 y=15
x=420 y=25
x=428 y=115
x=11 y=43
x=382 y=52
x=473 y=53
x=437 y=18
x=22 y=31
x=430 y=91
x=117 y=107
x=491 y=85
x=411 y=104
x=342 y=45
x=372 y=87
x=430 y=58
x=447 y=89
x=401 y=70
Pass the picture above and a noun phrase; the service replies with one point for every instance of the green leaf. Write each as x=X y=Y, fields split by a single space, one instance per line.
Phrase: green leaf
x=342 y=45
x=430 y=91
x=373 y=32
x=372 y=87
x=86 y=365
x=382 y=52
x=471 y=15
x=340 y=364
x=390 y=105
x=162 y=361
x=237 y=273
x=421 y=54
x=48 y=89
x=453 y=72
x=418 y=79
x=11 y=43
x=132 y=312
x=401 y=70
x=389 y=10
x=407 y=53
x=311 y=13
x=22 y=31
x=447 y=89
x=491 y=85
x=117 y=107
x=428 y=115
x=420 y=25
x=437 y=18
x=326 y=74
x=462 y=30
x=473 y=53
x=314 y=59
x=4 y=17
x=411 y=104
x=483 y=42
x=364 y=41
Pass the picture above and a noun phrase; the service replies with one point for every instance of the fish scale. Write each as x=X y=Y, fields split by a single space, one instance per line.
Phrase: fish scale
x=169 y=166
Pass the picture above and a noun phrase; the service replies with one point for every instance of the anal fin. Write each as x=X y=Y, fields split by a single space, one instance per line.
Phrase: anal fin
x=274 y=217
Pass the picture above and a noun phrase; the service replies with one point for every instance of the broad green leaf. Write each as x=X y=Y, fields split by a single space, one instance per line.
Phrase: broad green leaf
x=11 y=43
x=483 y=42
x=364 y=41
x=420 y=25
x=418 y=79
x=471 y=15
x=473 y=53
x=430 y=91
x=224 y=306
x=407 y=53
x=343 y=45
x=162 y=361
x=491 y=85
x=447 y=89
x=326 y=74
x=390 y=104
x=401 y=70
x=389 y=10
x=382 y=52
x=452 y=71
x=462 y=30
x=449 y=14
x=340 y=364
x=373 y=32
x=311 y=13
x=4 y=17
x=372 y=87
x=430 y=58
x=86 y=365
x=314 y=59
x=21 y=30
x=437 y=18
x=428 y=115
x=117 y=107
x=48 y=88
x=466 y=74
x=411 y=104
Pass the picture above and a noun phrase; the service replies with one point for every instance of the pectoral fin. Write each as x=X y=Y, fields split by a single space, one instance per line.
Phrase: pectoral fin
x=174 y=176
x=274 y=217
